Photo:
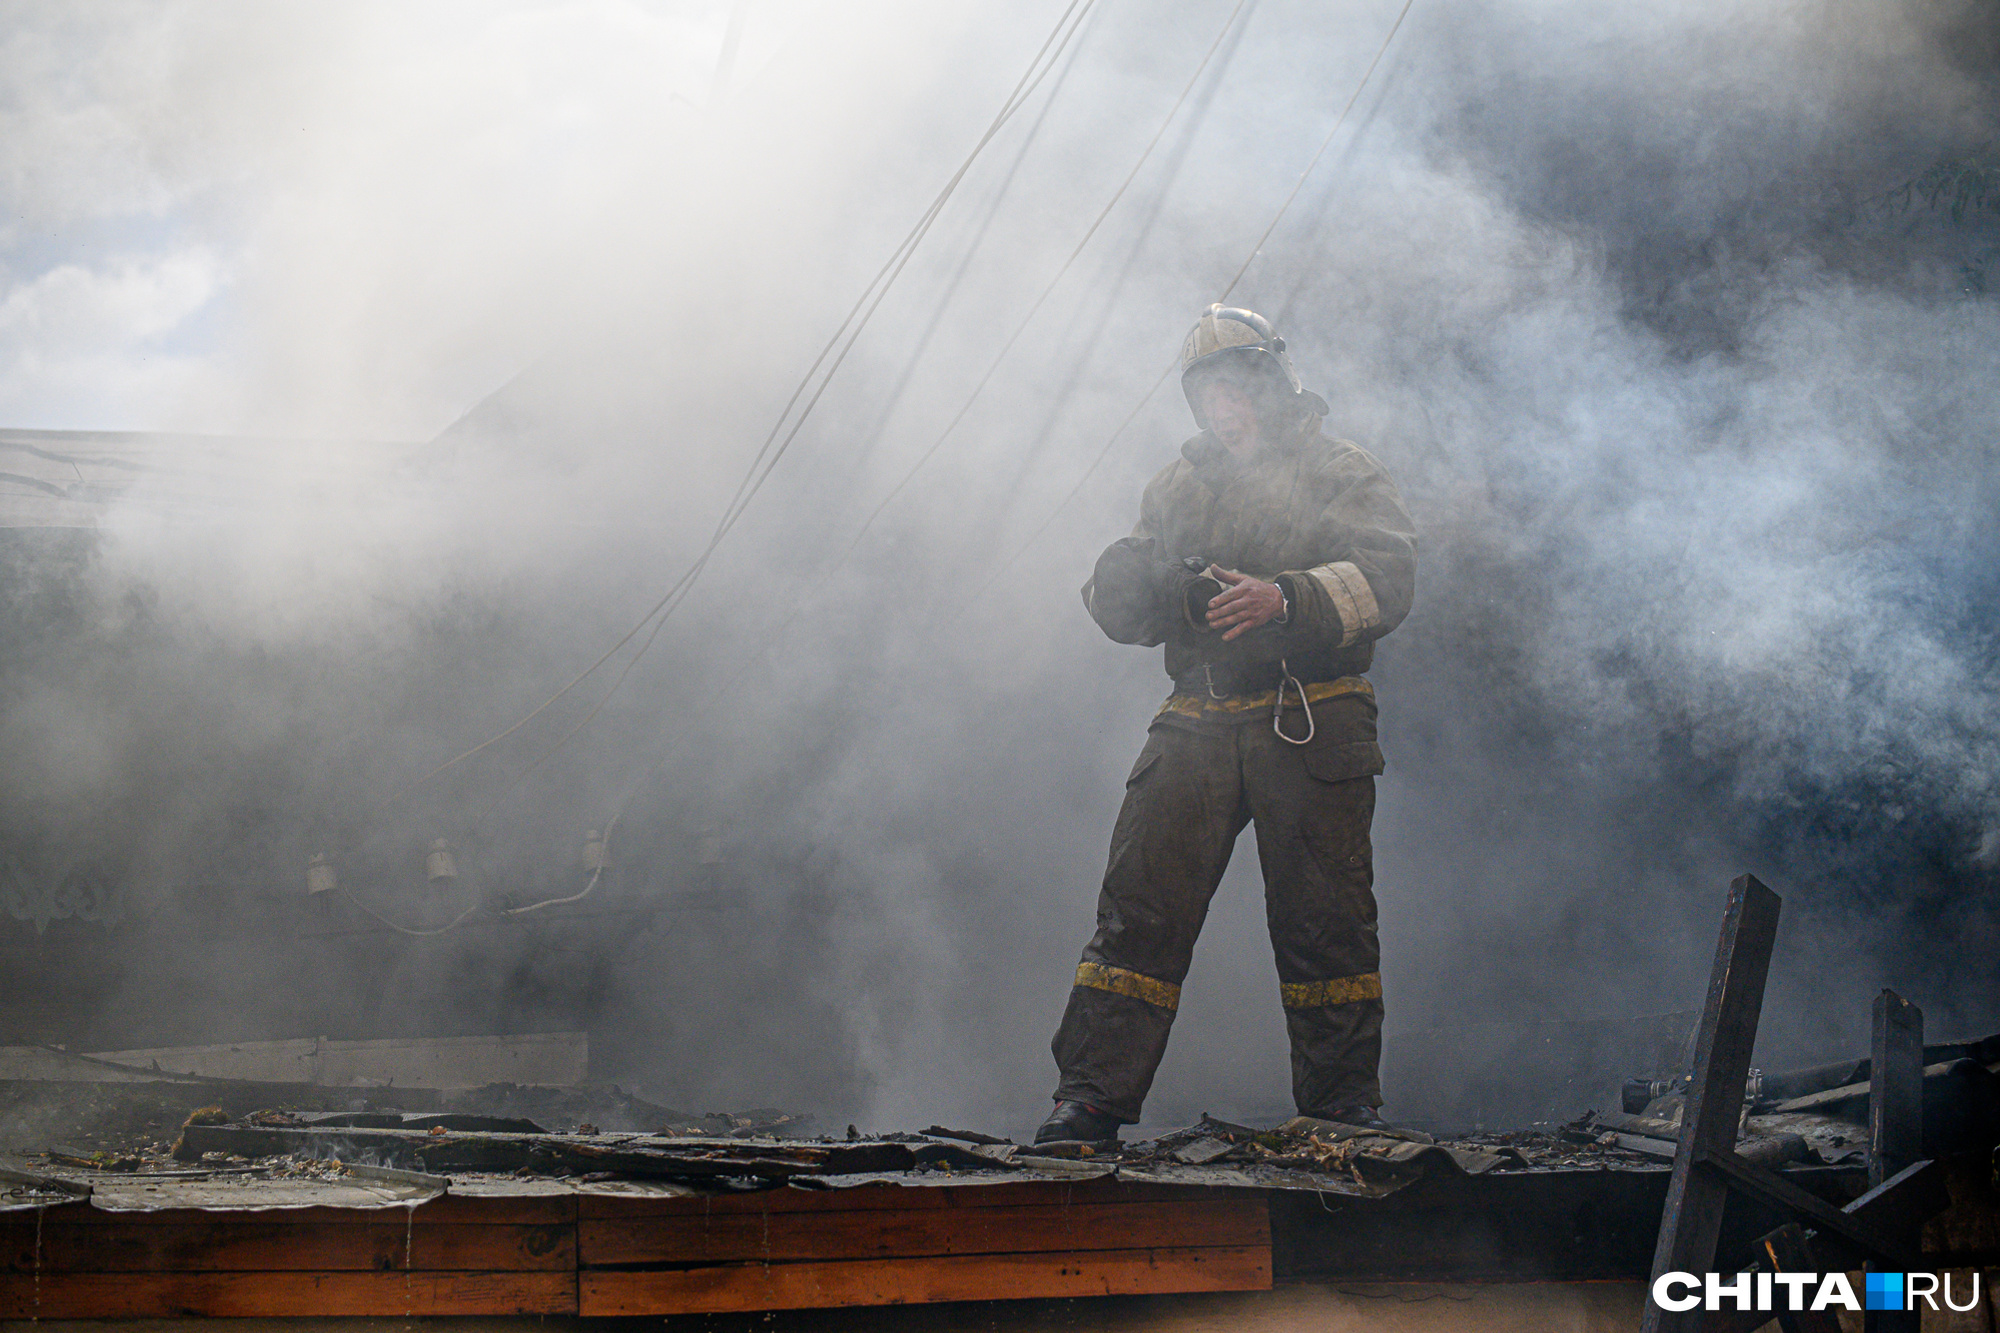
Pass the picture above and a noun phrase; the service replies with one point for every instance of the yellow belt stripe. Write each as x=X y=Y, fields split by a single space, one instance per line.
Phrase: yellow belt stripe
x=1200 y=705
x=1335 y=990
x=1102 y=976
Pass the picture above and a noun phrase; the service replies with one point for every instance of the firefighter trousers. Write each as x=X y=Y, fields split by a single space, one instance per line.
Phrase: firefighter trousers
x=1189 y=796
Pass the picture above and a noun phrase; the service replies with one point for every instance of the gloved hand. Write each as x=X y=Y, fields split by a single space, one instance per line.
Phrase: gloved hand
x=1195 y=594
x=1133 y=589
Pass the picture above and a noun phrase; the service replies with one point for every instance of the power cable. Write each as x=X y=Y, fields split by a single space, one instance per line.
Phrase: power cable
x=769 y=457
x=1055 y=407
x=1244 y=268
x=874 y=433
x=409 y=930
x=772 y=449
x=1059 y=402
x=1047 y=291
x=769 y=453
x=1324 y=144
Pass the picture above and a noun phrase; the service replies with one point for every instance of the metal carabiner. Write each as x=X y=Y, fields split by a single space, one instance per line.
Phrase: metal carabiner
x=1208 y=670
x=1285 y=677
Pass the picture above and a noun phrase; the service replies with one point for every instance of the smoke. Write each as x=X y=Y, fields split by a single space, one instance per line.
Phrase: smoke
x=1694 y=419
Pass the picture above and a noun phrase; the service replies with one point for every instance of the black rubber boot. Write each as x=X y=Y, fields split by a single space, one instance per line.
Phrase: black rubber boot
x=1074 y=1121
x=1362 y=1117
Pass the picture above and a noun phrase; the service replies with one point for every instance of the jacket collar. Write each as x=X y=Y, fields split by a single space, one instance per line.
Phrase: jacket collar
x=1215 y=467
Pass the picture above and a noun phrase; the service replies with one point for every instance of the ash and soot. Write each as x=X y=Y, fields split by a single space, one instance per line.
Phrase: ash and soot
x=452 y=338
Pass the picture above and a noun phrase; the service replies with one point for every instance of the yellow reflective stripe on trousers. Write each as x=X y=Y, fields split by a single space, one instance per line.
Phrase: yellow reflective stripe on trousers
x=1199 y=706
x=1103 y=976
x=1335 y=990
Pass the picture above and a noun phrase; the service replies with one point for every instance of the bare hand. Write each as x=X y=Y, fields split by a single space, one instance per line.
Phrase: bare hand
x=1243 y=605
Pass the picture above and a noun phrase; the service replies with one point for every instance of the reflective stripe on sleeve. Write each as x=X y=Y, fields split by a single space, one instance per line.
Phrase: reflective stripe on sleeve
x=1348 y=587
x=1334 y=990
x=1119 y=981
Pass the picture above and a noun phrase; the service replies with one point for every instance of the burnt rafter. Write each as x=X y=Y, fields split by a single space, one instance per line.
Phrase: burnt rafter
x=1883 y=1224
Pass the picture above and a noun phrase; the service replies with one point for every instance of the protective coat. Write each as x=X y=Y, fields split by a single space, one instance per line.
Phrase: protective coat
x=1320 y=516
x=1316 y=513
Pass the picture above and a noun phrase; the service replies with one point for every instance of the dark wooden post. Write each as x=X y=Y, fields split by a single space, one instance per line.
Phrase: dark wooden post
x=1787 y=1251
x=1895 y=1117
x=1895 y=1088
x=1709 y=1121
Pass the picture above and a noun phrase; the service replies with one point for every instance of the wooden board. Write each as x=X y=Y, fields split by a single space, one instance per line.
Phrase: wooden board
x=255 y=1243
x=883 y=1233
x=527 y=1209
x=653 y=1255
x=902 y=1198
x=277 y=1295
x=899 y=1281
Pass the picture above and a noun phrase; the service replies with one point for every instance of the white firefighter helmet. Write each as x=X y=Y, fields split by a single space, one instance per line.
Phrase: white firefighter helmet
x=1226 y=340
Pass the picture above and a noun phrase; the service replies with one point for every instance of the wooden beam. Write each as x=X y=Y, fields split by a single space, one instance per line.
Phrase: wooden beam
x=1787 y=1250
x=882 y=1234
x=1895 y=1120
x=280 y=1295
x=1692 y=1219
x=1773 y=1188
x=1895 y=1088
x=255 y=1242
x=894 y=1197
x=744 y=1287
x=483 y=1210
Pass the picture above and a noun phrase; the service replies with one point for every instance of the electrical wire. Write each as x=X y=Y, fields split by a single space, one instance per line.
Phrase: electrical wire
x=1059 y=402
x=1055 y=407
x=409 y=930
x=922 y=344
x=768 y=455
x=771 y=457
x=465 y=854
x=1244 y=268
x=1047 y=291
x=1076 y=490
x=1324 y=144
x=773 y=449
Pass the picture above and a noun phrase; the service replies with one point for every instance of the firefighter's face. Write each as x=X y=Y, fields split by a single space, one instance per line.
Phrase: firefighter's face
x=1231 y=412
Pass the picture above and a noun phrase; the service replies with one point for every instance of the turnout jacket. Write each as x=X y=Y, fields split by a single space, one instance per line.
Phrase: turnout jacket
x=1315 y=514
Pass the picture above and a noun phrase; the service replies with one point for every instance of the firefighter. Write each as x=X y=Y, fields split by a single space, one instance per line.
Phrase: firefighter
x=1268 y=559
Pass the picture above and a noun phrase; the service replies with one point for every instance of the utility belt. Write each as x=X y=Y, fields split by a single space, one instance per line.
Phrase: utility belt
x=1224 y=682
x=1259 y=685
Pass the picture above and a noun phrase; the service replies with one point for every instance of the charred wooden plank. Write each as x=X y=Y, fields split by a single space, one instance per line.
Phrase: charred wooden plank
x=523 y=1210
x=900 y=1198
x=1787 y=1250
x=557 y=1154
x=1774 y=1188
x=1895 y=1121
x=964 y=1135
x=1896 y=1087
x=1692 y=1219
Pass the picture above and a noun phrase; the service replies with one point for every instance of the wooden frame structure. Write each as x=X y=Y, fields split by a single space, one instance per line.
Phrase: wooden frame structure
x=1882 y=1226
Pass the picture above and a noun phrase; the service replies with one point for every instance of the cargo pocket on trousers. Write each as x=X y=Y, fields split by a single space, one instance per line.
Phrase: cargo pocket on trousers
x=1342 y=762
